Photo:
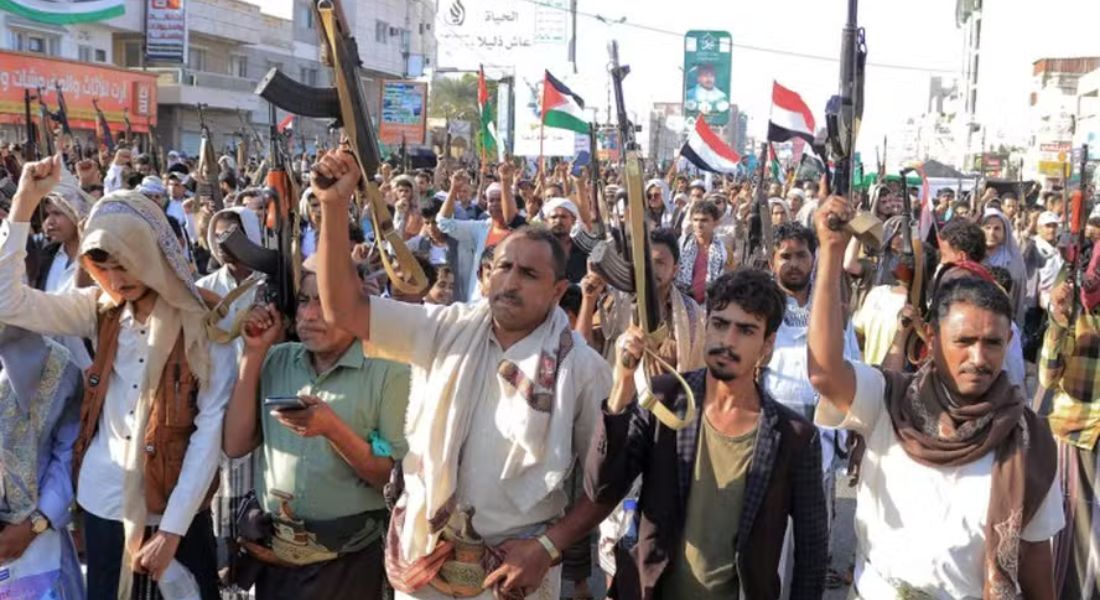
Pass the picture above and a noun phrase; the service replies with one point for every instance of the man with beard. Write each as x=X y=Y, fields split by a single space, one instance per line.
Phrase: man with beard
x=561 y=215
x=716 y=495
x=323 y=458
x=957 y=493
x=505 y=397
x=474 y=236
x=787 y=377
x=1043 y=259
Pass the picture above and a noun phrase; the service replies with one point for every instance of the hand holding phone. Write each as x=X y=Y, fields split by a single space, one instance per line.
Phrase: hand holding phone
x=284 y=403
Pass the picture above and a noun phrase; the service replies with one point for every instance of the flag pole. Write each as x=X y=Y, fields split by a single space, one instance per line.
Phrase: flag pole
x=542 y=161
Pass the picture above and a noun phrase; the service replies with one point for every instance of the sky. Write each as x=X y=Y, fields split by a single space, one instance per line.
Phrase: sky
x=905 y=49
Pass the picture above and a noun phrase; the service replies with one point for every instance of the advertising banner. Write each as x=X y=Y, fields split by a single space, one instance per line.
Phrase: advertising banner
x=707 y=76
x=404 y=113
x=166 y=31
x=65 y=13
x=114 y=89
x=495 y=32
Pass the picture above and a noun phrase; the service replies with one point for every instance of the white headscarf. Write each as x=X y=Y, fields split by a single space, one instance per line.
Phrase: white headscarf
x=1008 y=256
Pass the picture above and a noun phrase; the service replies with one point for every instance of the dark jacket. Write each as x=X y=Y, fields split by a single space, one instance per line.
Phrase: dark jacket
x=784 y=479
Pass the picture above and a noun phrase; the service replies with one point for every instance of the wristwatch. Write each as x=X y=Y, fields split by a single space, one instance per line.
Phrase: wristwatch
x=551 y=549
x=39 y=522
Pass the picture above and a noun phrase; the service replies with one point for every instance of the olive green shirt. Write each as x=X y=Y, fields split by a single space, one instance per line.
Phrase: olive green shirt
x=704 y=566
x=367 y=395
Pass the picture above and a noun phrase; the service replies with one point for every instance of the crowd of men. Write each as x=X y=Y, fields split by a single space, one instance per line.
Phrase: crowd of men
x=482 y=436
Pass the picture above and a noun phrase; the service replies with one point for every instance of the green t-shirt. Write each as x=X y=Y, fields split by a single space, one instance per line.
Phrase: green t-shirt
x=703 y=566
x=367 y=395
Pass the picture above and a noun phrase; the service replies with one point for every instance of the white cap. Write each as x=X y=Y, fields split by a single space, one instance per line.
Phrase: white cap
x=1049 y=217
x=556 y=203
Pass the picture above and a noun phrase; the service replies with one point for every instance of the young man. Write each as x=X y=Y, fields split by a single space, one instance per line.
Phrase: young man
x=957 y=495
x=323 y=463
x=40 y=391
x=474 y=236
x=505 y=397
x=151 y=419
x=703 y=257
x=1044 y=258
x=561 y=215
x=716 y=495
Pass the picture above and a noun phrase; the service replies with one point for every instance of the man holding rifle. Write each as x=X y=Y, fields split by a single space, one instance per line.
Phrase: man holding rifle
x=957 y=494
x=504 y=398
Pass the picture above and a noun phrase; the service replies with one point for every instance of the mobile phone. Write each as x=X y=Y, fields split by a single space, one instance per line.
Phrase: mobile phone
x=284 y=403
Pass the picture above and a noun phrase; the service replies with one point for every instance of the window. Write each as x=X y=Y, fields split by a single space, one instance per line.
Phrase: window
x=238 y=66
x=34 y=41
x=131 y=54
x=307 y=76
x=84 y=53
x=306 y=15
x=381 y=31
x=100 y=55
x=196 y=59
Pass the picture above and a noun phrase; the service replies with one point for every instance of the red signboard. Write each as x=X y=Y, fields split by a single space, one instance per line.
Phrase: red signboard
x=115 y=89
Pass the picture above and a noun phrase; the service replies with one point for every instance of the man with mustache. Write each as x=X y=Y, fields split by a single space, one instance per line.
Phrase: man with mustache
x=323 y=462
x=504 y=397
x=716 y=495
x=561 y=214
x=786 y=377
x=957 y=494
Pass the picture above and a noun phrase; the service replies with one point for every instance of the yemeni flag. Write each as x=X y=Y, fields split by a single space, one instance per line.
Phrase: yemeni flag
x=561 y=108
x=487 y=134
x=790 y=117
x=708 y=152
x=65 y=13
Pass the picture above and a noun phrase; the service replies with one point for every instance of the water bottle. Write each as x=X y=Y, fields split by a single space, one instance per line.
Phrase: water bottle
x=630 y=515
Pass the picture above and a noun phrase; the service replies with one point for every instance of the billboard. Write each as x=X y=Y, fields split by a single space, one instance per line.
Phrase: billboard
x=166 y=31
x=707 y=76
x=470 y=33
x=403 y=115
x=65 y=13
x=114 y=89
x=528 y=124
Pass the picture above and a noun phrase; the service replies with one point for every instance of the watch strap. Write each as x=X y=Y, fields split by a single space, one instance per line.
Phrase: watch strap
x=551 y=549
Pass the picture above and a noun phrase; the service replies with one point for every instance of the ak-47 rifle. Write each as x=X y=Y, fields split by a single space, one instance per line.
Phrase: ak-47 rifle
x=45 y=128
x=346 y=104
x=30 y=144
x=207 y=171
x=156 y=153
x=843 y=116
x=648 y=306
x=757 y=245
x=130 y=141
x=911 y=271
x=105 y=128
x=1077 y=210
x=62 y=118
x=279 y=257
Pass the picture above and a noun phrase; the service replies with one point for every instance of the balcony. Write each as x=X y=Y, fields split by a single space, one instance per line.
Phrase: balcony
x=184 y=86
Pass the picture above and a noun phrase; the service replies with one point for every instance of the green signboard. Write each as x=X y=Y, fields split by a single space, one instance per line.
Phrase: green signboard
x=707 y=76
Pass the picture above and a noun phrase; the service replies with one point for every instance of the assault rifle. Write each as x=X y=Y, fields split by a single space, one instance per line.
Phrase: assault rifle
x=62 y=118
x=156 y=153
x=911 y=271
x=586 y=240
x=346 y=105
x=1075 y=250
x=30 y=144
x=105 y=128
x=279 y=255
x=757 y=245
x=648 y=306
x=207 y=171
x=45 y=128
x=130 y=141
x=843 y=115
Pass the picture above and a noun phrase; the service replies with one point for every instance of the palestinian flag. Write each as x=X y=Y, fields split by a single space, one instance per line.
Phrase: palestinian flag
x=773 y=162
x=561 y=108
x=65 y=13
x=487 y=133
x=707 y=151
x=790 y=117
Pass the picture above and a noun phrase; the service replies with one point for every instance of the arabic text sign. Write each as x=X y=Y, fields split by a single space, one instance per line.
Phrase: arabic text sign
x=403 y=112
x=475 y=32
x=707 y=76
x=114 y=89
x=166 y=31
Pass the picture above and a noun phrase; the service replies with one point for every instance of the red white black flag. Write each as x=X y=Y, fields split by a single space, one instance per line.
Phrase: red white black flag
x=790 y=117
x=705 y=150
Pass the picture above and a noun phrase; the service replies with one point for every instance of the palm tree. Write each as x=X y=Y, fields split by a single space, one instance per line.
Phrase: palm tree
x=455 y=98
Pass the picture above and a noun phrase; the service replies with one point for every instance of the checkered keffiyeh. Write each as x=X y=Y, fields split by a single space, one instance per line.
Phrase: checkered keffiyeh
x=1069 y=381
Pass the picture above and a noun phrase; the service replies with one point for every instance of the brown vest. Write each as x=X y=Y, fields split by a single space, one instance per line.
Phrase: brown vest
x=171 y=421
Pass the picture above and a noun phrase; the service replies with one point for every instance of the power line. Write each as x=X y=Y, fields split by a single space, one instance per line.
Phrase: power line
x=764 y=49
